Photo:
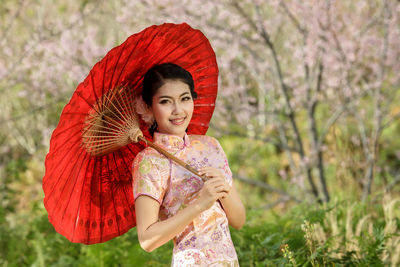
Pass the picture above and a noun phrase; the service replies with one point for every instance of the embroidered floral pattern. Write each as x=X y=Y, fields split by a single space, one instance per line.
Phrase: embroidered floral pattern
x=206 y=241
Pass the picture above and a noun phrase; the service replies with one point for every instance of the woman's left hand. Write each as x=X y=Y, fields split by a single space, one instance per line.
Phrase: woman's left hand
x=214 y=173
x=231 y=204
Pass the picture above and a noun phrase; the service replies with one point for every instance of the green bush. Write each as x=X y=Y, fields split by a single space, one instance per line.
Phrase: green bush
x=338 y=234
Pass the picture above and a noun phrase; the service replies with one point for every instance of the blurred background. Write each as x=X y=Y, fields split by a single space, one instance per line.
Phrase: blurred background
x=308 y=114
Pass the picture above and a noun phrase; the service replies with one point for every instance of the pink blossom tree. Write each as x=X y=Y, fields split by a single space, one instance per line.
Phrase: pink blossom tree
x=293 y=73
x=283 y=62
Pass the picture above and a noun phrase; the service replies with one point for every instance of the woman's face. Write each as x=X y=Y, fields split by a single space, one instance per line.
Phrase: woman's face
x=172 y=107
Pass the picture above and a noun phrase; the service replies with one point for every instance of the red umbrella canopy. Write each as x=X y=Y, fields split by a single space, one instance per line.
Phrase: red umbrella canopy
x=89 y=199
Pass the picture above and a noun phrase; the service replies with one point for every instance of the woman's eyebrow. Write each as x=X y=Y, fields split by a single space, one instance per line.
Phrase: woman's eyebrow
x=167 y=96
x=164 y=96
x=185 y=93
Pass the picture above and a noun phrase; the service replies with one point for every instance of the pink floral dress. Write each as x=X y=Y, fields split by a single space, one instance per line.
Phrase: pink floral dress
x=206 y=241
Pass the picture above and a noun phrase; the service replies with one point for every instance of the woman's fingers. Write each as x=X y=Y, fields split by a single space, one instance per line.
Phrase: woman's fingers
x=209 y=170
x=212 y=190
x=218 y=192
x=216 y=182
x=222 y=188
x=222 y=195
x=216 y=185
x=219 y=185
x=211 y=173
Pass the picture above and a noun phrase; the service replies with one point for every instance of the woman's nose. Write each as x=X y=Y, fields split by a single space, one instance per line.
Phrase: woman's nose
x=177 y=108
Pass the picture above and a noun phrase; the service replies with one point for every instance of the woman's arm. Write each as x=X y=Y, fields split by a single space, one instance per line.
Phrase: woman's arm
x=234 y=209
x=233 y=206
x=153 y=233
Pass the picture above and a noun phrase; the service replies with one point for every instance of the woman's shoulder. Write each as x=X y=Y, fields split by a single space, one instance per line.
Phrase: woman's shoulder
x=152 y=156
x=201 y=137
x=205 y=139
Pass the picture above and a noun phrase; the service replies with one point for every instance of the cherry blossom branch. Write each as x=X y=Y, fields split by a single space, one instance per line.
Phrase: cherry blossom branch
x=8 y=27
x=264 y=186
x=292 y=17
x=395 y=181
x=390 y=121
x=275 y=203
x=284 y=88
x=315 y=137
x=35 y=110
x=45 y=37
x=377 y=121
x=282 y=146
x=388 y=188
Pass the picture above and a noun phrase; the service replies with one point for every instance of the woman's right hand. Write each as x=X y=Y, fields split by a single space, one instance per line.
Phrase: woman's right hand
x=212 y=190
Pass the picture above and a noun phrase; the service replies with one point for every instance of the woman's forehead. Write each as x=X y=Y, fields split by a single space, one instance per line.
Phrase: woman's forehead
x=173 y=88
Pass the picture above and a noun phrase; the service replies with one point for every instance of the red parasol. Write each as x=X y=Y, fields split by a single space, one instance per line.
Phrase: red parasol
x=89 y=199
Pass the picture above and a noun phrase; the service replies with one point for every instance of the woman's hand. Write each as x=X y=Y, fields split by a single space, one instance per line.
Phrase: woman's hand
x=214 y=188
x=230 y=200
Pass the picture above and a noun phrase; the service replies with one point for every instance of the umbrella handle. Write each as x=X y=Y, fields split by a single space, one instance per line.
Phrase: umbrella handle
x=172 y=157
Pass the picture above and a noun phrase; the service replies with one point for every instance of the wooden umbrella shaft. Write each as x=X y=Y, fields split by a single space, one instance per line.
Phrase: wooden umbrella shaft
x=172 y=157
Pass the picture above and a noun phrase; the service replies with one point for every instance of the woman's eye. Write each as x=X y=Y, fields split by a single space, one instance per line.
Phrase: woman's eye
x=165 y=101
x=186 y=98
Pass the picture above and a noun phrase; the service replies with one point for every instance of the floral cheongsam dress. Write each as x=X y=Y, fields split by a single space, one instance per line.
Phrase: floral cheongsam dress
x=206 y=241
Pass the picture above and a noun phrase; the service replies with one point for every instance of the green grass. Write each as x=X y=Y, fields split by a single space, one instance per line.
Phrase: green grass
x=339 y=234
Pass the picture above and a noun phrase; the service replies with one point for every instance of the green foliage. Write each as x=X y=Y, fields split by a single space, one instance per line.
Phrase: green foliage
x=37 y=244
x=306 y=236
x=338 y=234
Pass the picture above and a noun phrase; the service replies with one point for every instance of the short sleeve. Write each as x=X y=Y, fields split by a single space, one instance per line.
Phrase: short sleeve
x=150 y=176
x=222 y=161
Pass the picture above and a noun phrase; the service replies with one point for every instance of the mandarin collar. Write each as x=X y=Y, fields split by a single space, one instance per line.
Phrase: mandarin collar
x=171 y=142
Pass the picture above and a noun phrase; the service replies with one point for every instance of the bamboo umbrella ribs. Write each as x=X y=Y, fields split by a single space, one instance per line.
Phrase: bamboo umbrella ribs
x=112 y=124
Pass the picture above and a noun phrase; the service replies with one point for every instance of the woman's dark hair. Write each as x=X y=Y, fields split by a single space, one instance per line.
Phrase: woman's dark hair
x=157 y=76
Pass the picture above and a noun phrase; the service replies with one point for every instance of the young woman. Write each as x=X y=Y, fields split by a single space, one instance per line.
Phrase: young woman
x=170 y=202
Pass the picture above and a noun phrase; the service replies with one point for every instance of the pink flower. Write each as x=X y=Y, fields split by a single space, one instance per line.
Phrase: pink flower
x=143 y=111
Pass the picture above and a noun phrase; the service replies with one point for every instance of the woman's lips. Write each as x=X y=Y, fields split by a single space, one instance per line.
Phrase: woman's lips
x=178 y=121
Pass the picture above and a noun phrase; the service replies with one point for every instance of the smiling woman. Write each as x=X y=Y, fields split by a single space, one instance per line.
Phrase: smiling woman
x=173 y=107
x=172 y=203
x=163 y=86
